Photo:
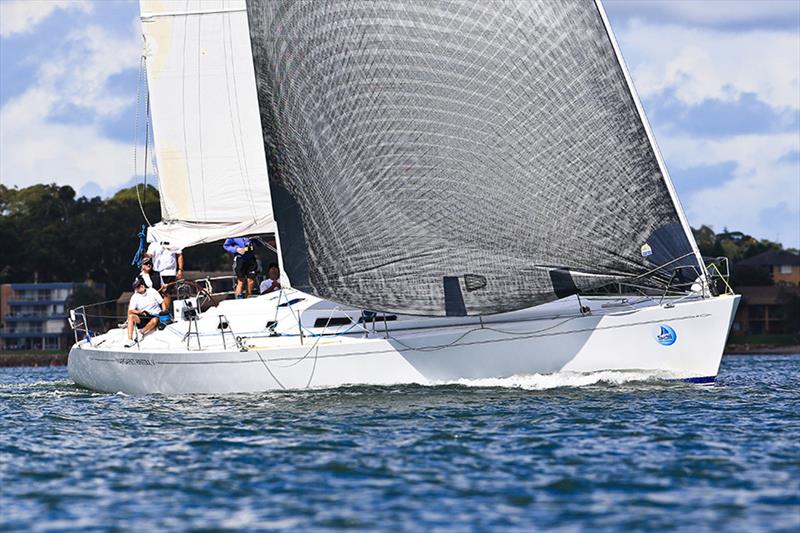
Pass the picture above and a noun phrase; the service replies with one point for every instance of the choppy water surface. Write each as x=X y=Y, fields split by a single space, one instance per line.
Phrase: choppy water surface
x=606 y=451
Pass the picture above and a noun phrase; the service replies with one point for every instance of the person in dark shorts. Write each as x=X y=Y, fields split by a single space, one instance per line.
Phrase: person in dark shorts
x=143 y=309
x=245 y=266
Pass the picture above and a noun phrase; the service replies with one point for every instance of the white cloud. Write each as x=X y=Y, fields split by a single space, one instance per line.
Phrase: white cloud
x=34 y=148
x=80 y=74
x=700 y=64
x=709 y=13
x=760 y=182
x=20 y=16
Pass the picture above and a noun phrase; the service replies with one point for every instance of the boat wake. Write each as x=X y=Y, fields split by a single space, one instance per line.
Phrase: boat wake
x=565 y=379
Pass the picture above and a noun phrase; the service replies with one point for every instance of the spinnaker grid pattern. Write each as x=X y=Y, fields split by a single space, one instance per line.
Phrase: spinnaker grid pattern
x=450 y=158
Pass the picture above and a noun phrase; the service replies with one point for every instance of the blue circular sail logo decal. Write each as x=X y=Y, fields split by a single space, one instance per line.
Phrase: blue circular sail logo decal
x=666 y=335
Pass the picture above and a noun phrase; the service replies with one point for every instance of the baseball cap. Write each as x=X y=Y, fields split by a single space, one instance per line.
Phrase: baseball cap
x=137 y=282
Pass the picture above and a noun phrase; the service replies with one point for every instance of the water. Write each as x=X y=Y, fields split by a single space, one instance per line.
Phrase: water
x=600 y=452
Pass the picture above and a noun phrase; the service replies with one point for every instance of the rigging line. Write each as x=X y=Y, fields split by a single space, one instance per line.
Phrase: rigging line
x=140 y=84
x=656 y=269
x=270 y=371
x=313 y=346
x=136 y=112
x=313 y=368
x=149 y=122
x=542 y=330
x=148 y=17
x=265 y=244
x=455 y=341
x=95 y=304
x=146 y=149
x=690 y=254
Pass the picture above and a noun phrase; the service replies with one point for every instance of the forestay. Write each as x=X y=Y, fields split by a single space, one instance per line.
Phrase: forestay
x=452 y=158
x=212 y=170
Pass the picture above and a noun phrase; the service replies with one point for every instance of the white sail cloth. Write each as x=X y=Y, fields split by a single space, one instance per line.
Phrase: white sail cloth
x=209 y=151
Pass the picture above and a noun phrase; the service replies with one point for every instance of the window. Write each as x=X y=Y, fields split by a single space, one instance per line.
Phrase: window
x=776 y=312
x=786 y=269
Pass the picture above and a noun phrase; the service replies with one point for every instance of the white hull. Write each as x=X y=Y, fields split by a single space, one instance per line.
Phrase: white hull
x=547 y=339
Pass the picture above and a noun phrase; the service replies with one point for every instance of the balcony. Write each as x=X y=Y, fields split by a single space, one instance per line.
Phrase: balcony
x=18 y=302
x=24 y=334
x=18 y=317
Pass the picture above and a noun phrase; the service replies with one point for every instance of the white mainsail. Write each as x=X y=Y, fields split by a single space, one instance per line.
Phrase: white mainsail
x=211 y=165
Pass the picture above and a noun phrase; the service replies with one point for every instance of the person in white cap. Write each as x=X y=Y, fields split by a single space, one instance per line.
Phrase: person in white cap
x=152 y=279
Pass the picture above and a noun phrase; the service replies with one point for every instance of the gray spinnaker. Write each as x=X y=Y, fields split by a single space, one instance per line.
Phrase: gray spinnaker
x=457 y=158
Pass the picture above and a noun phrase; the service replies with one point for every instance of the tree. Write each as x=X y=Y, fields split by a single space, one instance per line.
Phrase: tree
x=749 y=276
x=49 y=234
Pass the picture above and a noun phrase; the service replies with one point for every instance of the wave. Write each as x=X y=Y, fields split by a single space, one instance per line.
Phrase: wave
x=564 y=379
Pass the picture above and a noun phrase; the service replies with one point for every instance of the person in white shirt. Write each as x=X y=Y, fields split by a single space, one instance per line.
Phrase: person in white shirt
x=143 y=309
x=273 y=282
x=168 y=262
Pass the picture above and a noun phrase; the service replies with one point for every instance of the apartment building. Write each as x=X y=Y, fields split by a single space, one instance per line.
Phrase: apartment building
x=33 y=316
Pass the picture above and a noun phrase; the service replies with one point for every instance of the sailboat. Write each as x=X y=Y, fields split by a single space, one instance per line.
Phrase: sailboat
x=453 y=188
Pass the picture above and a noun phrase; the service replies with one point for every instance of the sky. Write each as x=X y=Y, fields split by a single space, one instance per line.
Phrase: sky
x=719 y=81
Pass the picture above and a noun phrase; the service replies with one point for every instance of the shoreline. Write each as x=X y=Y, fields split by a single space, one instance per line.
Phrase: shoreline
x=761 y=349
x=41 y=359
x=32 y=359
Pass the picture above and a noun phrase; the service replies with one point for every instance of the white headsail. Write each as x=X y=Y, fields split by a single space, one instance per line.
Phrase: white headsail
x=207 y=133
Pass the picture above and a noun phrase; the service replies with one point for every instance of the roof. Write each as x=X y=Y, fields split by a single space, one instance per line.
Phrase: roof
x=772 y=257
x=125 y=297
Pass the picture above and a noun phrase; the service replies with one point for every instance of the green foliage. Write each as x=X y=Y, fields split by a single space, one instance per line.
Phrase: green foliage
x=750 y=276
x=736 y=246
x=49 y=234
x=46 y=233
x=83 y=295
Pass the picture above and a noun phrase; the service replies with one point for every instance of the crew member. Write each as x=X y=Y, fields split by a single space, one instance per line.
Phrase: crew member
x=143 y=309
x=168 y=261
x=151 y=278
x=245 y=266
x=272 y=283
